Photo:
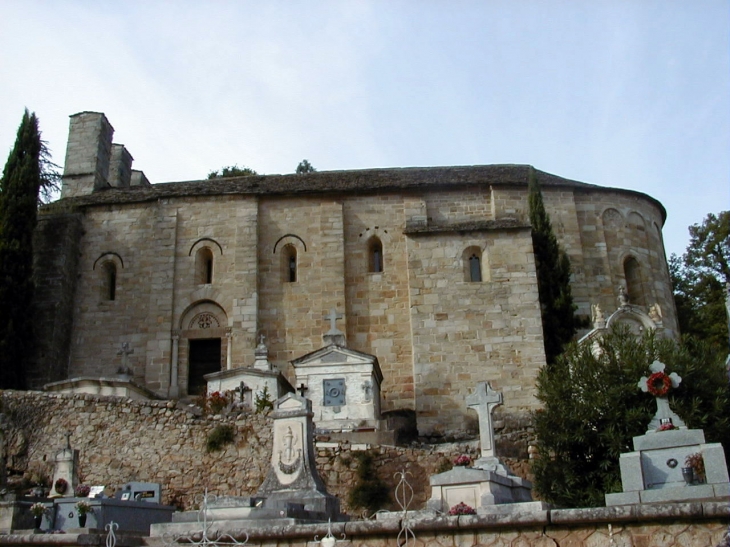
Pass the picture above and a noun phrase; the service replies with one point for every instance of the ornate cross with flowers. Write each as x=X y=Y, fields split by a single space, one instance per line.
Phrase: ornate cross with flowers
x=659 y=384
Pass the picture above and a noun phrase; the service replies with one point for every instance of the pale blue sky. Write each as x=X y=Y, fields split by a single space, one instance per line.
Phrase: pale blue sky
x=632 y=94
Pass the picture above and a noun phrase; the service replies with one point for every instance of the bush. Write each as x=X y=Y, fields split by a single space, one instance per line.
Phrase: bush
x=369 y=491
x=222 y=435
x=592 y=408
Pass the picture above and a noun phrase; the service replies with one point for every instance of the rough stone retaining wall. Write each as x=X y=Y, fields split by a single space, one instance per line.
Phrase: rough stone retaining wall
x=122 y=440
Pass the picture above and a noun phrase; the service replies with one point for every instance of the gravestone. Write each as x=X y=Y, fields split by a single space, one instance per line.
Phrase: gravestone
x=293 y=476
x=488 y=483
x=653 y=472
x=67 y=465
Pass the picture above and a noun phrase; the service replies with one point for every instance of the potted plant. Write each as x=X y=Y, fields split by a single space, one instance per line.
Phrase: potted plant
x=82 y=508
x=38 y=510
x=82 y=490
x=695 y=465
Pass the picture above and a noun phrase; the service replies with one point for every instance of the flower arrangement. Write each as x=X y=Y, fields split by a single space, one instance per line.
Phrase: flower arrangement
x=82 y=490
x=61 y=485
x=697 y=464
x=462 y=508
x=217 y=401
x=83 y=507
x=38 y=509
x=667 y=427
x=462 y=460
x=658 y=384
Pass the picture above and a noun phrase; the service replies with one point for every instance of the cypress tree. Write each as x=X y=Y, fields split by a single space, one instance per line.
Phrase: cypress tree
x=553 y=277
x=19 y=187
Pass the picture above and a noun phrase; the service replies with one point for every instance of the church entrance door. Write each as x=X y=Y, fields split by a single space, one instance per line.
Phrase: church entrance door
x=204 y=358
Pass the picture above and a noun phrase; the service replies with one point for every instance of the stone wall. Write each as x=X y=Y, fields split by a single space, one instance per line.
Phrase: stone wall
x=123 y=440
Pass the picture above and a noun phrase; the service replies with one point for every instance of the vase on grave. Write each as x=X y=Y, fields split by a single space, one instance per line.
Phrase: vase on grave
x=82 y=520
x=38 y=519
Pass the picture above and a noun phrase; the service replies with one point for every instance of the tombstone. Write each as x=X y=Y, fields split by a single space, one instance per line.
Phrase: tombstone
x=150 y=492
x=655 y=471
x=293 y=476
x=292 y=492
x=488 y=483
x=249 y=382
x=66 y=469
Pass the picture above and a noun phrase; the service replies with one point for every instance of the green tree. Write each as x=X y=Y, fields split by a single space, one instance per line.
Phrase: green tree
x=232 y=171
x=700 y=278
x=592 y=408
x=559 y=324
x=19 y=189
x=305 y=167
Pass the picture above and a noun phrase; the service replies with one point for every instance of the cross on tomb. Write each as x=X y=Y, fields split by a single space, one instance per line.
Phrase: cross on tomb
x=333 y=317
x=483 y=400
x=68 y=439
x=125 y=352
x=301 y=389
x=241 y=390
x=261 y=339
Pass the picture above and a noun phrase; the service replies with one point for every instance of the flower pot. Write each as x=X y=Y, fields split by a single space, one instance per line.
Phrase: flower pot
x=82 y=521
x=688 y=474
x=38 y=519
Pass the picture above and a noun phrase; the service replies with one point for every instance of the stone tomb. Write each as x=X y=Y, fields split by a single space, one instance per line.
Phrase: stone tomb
x=342 y=384
x=250 y=382
x=488 y=483
x=653 y=472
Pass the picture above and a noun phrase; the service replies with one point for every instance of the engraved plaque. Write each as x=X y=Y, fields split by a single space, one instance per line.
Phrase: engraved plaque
x=334 y=392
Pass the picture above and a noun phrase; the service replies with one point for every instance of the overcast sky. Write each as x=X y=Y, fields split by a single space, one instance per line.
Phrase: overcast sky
x=623 y=93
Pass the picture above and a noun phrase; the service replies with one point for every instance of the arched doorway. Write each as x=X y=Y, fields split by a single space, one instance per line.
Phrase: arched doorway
x=202 y=336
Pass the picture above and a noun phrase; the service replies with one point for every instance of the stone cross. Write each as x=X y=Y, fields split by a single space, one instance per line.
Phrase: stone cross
x=262 y=338
x=301 y=389
x=125 y=352
x=483 y=400
x=333 y=317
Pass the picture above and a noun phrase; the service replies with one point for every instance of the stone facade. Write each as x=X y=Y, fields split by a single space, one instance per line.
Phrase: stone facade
x=212 y=260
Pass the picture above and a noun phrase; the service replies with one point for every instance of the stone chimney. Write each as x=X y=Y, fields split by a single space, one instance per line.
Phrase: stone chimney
x=88 y=154
x=120 y=167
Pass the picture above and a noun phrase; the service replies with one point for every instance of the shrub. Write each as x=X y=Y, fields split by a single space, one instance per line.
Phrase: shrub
x=369 y=491
x=222 y=435
x=263 y=401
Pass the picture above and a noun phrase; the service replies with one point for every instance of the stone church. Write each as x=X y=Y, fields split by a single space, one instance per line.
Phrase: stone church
x=430 y=270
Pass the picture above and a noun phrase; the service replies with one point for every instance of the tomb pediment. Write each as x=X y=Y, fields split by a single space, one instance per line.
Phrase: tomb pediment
x=338 y=356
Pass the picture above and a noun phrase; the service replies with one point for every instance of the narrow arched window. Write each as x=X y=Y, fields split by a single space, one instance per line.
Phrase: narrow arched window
x=289 y=263
x=634 y=282
x=204 y=266
x=375 y=252
x=109 y=281
x=475 y=268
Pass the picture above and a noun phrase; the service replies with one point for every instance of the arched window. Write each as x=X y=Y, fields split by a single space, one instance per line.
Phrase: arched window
x=204 y=266
x=472 y=261
x=289 y=263
x=375 y=254
x=634 y=285
x=108 y=281
x=475 y=268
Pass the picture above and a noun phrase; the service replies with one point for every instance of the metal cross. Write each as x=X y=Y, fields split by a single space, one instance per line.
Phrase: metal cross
x=242 y=389
x=68 y=439
x=301 y=389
